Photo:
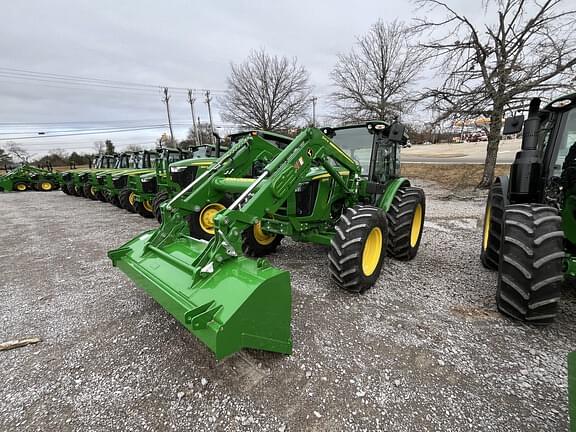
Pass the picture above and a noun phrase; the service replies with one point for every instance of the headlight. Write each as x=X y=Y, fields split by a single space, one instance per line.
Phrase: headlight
x=178 y=168
x=144 y=180
x=380 y=126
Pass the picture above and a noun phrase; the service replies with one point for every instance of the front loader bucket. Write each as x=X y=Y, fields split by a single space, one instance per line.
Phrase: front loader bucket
x=244 y=303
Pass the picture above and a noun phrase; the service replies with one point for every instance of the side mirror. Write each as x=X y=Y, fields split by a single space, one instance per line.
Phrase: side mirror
x=396 y=132
x=513 y=125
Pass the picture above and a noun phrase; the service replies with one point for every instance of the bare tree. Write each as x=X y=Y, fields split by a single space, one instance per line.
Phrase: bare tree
x=18 y=151
x=99 y=147
x=375 y=78
x=528 y=49
x=266 y=92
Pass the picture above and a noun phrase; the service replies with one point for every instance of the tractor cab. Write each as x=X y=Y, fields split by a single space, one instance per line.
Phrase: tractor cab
x=374 y=145
x=548 y=135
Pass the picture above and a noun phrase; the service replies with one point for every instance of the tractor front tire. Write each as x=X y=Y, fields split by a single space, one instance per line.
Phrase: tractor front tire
x=201 y=223
x=144 y=209
x=45 y=186
x=406 y=223
x=531 y=260
x=258 y=243
x=159 y=198
x=20 y=187
x=358 y=248
x=100 y=196
x=126 y=199
x=492 y=230
x=79 y=192
x=87 y=190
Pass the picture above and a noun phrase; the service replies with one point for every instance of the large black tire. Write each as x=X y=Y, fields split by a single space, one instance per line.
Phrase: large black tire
x=126 y=199
x=159 y=198
x=406 y=223
x=258 y=243
x=64 y=188
x=531 y=258
x=144 y=209
x=87 y=189
x=358 y=248
x=492 y=229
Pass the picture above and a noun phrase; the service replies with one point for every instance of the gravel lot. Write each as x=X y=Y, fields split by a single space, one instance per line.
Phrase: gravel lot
x=424 y=350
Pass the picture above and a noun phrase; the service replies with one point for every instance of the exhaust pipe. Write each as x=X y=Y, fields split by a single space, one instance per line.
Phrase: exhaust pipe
x=526 y=169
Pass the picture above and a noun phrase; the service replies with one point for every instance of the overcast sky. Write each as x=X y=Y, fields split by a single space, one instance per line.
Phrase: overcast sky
x=176 y=43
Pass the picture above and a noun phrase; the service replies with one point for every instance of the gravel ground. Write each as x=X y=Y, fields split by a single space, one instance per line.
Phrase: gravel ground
x=424 y=350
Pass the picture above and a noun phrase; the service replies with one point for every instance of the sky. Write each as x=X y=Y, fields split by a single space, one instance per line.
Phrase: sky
x=179 y=44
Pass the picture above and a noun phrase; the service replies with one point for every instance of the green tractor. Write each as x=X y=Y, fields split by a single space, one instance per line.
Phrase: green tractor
x=338 y=187
x=28 y=177
x=113 y=184
x=529 y=232
x=175 y=177
x=144 y=187
x=72 y=181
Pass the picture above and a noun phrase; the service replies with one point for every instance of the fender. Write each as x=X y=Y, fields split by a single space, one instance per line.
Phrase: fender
x=390 y=193
x=504 y=182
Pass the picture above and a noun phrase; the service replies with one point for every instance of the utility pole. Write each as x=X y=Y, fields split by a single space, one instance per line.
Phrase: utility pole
x=314 y=99
x=165 y=100
x=208 y=100
x=191 y=100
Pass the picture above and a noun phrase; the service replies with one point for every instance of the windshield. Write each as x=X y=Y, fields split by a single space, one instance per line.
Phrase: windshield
x=357 y=142
x=567 y=139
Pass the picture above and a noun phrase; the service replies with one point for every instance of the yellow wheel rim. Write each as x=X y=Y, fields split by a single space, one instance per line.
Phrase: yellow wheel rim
x=148 y=206
x=45 y=186
x=487 y=217
x=262 y=237
x=372 y=251
x=93 y=190
x=207 y=216
x=416 y=226
x=132 y=198
x=21 y=187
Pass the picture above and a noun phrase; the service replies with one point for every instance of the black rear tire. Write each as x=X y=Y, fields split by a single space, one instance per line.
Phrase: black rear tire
x=492 y=230
x=159 y=198
x=126 y=199
x=358 y=248
x=64 y=188
x=406 y=223
x=531 y=263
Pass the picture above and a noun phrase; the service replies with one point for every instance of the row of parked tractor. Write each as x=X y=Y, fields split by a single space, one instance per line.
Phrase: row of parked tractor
x=222 y=210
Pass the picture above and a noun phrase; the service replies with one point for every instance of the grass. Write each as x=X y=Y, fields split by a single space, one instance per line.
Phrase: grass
x=451 y=176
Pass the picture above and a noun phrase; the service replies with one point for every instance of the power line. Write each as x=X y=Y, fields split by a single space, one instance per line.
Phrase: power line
x=90 y=82
x=86 y=133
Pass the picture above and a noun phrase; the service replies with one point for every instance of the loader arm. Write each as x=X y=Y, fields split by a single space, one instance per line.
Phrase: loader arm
x=230 y=301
